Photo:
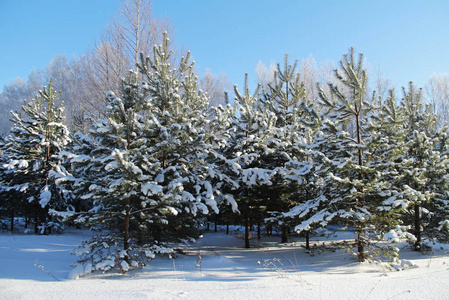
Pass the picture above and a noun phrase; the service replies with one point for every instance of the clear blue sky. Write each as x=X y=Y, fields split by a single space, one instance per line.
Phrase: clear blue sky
x=406 y=40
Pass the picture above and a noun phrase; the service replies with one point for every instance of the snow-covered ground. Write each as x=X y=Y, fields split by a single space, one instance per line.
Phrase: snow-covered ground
x=217 y=267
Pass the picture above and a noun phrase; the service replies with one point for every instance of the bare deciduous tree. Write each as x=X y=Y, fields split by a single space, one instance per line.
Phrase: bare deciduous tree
x=309 y=75
x=85 y=81
x=383 y=85
x=437 y=90
x=14 y=94
x=104 y=66
x=265 y=75
x=214 y=86
x=132 y=31
x=139 y=31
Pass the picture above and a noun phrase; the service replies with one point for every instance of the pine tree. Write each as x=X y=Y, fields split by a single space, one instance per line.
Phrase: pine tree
x=7 y=209
x=180 y=138
x=426 y=175
x=149 y=160
x=31 y=157
x=290 y=136
x=439 y=221
x=386 y=160
x=106 y=174
x=245 y=128
x=346 y=178
x=353 y=188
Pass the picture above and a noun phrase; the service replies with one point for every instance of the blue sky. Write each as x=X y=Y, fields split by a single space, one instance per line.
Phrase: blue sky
x=406 y=40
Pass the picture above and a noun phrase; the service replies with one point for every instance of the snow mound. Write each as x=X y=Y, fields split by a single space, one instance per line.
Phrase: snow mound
x=76 y=272
x=218 y=262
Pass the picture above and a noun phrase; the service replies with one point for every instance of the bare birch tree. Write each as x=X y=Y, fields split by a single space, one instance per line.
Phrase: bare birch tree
x=14 y=94
x=133 y=30
x=309 y=75
x=383 y=85
x=215 y=86
x=265 y=75
x=437 y=90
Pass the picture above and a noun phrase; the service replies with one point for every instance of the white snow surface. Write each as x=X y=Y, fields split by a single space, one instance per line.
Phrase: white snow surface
x=217 y=266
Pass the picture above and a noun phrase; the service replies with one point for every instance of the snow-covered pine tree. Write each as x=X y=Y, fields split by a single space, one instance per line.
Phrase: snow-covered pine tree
x=439 y=221
x=245 y=128
x=388 y=147
x=181 y=138
x=353 y=187
x=291 y=145
x=106 y=175
x=344 y=183
x=7 y=209
x=149 y=158
x=425 y=177
x=308 y=173
x=288 y=156
x=31 y=155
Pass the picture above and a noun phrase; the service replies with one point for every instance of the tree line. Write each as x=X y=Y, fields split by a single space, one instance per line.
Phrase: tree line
x=163 y=158
x=290 y=155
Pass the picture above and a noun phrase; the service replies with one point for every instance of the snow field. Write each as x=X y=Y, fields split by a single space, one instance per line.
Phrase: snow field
x=217 y=267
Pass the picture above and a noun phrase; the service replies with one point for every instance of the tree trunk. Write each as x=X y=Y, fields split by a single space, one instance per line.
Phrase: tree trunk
x=258 y=231
x=140 y=236
x=12 y=220
x=285 y=230
x=307 y=231
x=417 y=228
x=307 y=240
x=36 y=223
x=269 y=229
x=46 y=220
x=157 y=233
x=247 y=231
x=126 y=231
x=216 y=222
x=360 y=248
